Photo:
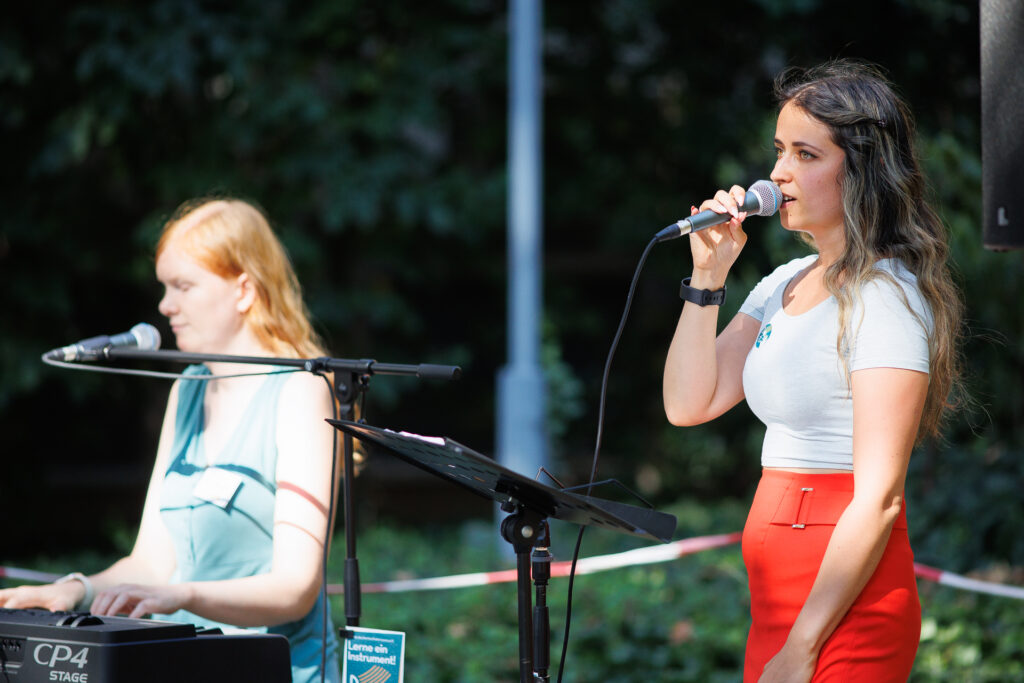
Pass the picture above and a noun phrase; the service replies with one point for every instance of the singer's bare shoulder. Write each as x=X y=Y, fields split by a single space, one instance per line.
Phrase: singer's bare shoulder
x=166 y=442
x=306 y=391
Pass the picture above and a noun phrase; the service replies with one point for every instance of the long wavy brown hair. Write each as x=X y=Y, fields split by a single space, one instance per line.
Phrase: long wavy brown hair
x=886 y=214
x=229 y=237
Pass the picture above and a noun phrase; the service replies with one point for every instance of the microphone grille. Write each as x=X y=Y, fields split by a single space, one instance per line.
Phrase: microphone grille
x=769 y=197
x=146 y=336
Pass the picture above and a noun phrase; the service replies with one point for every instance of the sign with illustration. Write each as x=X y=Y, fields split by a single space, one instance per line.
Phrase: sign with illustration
x=372 y=655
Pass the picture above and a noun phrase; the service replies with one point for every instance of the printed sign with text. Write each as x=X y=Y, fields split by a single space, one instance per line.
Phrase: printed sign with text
x=373 y=656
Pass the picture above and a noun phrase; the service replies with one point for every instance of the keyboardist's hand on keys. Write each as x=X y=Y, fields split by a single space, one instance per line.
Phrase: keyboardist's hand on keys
x=137 y=601
x=56 y=597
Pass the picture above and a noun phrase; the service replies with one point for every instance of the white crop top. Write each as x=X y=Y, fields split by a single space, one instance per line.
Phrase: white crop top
x=793 y=379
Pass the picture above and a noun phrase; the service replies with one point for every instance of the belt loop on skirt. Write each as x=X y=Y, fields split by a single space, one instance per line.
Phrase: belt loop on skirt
x=800 y=523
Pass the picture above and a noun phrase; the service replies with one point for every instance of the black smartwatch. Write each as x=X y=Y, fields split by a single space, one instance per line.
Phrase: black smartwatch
x=701 y=297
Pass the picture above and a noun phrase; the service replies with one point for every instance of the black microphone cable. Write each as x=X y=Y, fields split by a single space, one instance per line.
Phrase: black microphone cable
x=327 y=534
x=155 y=373
x=597 y=444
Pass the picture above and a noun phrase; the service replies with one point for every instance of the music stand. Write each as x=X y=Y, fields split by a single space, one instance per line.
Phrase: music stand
x=530 y=503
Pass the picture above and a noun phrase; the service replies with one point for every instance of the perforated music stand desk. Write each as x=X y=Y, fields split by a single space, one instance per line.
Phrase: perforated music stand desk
x=531 y=502
x=465 y=467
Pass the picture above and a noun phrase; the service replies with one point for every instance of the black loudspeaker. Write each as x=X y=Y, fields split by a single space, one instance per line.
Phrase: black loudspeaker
x=1002 y=123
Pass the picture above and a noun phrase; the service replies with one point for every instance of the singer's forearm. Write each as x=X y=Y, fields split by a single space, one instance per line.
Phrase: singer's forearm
x=853 y=554
x=131 y=569
x=266 y=599
x=690 y=367
x=703 y=374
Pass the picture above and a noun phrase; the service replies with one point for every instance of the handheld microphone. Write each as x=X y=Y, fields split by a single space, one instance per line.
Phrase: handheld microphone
x=763 y=199
x=143 y=336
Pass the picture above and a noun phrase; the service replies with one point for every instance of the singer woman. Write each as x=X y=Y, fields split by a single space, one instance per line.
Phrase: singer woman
x=236 y=514
x=848 y=356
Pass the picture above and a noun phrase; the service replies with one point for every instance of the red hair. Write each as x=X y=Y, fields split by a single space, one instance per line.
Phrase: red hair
x=229 y=237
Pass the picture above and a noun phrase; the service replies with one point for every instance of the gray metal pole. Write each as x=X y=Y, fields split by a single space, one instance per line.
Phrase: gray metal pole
x=522 y=434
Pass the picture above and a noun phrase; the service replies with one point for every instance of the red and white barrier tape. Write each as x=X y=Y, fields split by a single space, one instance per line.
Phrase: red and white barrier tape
x=27 y=575
x=588 y=565
x=962 y=582
x=591 y=565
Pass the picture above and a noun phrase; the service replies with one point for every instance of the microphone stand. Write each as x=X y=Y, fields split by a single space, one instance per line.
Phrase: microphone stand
x=351 y=378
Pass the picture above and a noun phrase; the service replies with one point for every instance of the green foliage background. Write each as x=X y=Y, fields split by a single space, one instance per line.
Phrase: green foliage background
x=374 y=134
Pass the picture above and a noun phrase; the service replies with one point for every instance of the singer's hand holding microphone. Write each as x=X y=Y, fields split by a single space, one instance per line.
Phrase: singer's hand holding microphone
x=714 y=251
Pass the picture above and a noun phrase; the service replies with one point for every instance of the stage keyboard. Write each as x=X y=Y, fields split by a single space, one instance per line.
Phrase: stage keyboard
x=39 y=646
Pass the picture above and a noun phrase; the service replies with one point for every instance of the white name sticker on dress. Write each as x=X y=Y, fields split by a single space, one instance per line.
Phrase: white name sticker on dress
x=218 y=486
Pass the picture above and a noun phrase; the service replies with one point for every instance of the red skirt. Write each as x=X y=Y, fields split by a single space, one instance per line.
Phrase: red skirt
x=784 y=540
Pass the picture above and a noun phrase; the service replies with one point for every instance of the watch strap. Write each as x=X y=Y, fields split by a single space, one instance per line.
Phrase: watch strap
x=701 y=297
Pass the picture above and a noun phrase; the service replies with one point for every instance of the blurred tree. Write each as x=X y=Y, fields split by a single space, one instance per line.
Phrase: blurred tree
x=356 y=128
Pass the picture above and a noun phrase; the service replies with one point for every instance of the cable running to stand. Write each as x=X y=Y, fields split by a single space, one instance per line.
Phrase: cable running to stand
x=597 y=443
